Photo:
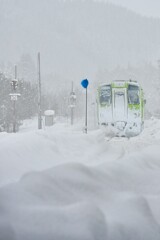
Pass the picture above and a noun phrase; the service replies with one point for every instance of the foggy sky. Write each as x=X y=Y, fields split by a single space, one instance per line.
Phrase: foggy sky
x=150 y=8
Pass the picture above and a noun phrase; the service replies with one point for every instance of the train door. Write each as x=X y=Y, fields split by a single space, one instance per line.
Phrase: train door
x=119 y=104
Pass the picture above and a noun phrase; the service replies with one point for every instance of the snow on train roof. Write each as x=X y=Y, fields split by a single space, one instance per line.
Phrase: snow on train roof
x=121 y=83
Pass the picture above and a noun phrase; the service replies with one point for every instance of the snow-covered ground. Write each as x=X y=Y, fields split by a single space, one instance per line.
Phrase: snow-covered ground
x=61 y=184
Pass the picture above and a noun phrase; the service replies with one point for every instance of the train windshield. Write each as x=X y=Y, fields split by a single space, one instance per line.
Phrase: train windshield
x=133 y=94
x=105 y=94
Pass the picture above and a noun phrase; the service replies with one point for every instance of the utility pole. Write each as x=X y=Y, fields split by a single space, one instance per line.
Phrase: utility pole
x=72 y=100
x=14 y=102
x=72 y=107
x=14 y=97
x=15 y=71
x=39 y=94
x=158 y=69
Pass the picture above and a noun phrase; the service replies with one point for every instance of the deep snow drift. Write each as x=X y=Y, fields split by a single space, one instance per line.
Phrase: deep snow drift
x=61 y=184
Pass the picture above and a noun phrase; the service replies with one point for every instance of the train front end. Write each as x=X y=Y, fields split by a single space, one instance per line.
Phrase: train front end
x=121 y=107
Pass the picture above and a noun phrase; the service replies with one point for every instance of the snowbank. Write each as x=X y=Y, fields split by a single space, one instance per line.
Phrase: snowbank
x=61 y=184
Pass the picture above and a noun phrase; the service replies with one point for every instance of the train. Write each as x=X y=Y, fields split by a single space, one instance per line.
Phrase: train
x=120 y=107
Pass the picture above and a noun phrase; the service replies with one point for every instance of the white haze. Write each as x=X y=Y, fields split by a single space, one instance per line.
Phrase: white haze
x=59 y=183
x=76 y=38
x=81 y=39
x=148 y=8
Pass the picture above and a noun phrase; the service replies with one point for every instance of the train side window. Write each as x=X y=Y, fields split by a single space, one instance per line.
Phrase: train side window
x=133 y=94
x=105 y=95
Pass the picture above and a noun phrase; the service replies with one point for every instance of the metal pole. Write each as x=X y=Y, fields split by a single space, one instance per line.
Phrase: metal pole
x=71 y=115
x=15 y=71
x=72 y=107
x=159 y=69
x=84 y=84
x=39 y=95
x=14 y=102
x=86 y=114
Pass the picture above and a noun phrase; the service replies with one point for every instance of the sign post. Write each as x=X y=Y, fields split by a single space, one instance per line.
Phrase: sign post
x=84 y=84
x=39 y=94
x=14 y=97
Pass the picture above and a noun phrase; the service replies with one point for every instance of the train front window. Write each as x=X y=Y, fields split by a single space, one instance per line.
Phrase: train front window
x=105 y=94
x=133 y=94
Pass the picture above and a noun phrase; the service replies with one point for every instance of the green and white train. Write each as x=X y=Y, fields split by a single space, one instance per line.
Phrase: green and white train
x=120 y=106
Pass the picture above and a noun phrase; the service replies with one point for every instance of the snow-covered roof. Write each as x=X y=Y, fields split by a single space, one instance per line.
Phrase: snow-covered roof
x=49 y=113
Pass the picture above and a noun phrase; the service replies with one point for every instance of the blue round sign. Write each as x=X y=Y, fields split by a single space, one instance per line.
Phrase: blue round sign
x=84 y=83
